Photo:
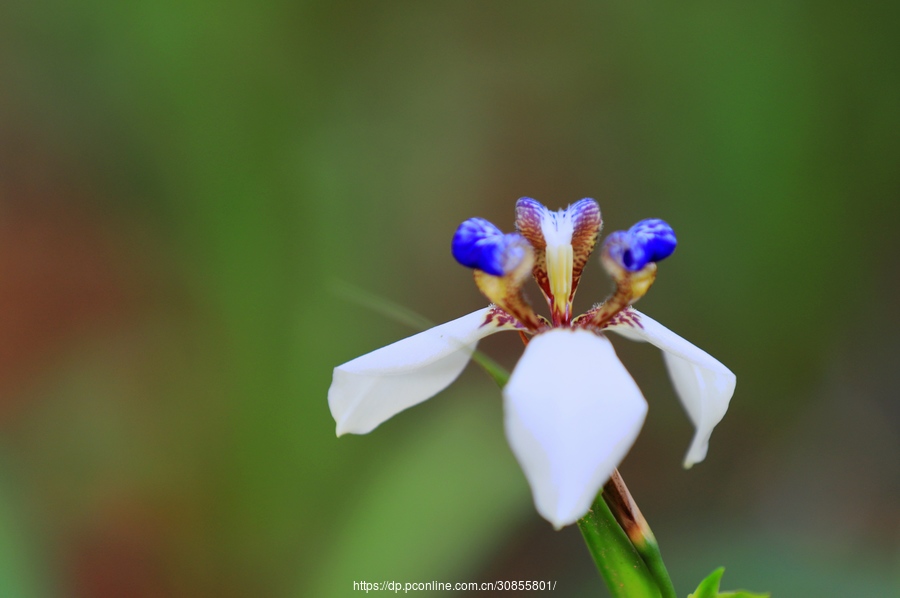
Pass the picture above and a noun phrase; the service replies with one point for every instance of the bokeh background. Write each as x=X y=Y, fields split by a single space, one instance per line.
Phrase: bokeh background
x=187 y=189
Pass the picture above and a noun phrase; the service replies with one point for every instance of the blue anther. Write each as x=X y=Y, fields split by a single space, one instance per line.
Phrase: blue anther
x=650 y=240
x=622 y=249
x=479 y=244
x=657 y=237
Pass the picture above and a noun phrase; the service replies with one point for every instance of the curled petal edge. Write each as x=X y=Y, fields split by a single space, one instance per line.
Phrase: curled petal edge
x=376 y=386
x=704 y=385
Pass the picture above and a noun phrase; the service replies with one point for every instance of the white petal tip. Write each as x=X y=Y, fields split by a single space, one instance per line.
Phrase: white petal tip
x=348 y=426
x=697 y=453
x=703 y=384
x=560 y=518
x=560 y=521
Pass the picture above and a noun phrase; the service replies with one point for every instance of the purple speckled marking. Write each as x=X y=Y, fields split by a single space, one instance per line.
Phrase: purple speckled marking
x=587 y=223
x=529 y=213
x=500 y=318
x=626 y=317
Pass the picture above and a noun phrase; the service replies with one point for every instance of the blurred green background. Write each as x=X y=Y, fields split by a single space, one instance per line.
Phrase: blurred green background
x=182 y=185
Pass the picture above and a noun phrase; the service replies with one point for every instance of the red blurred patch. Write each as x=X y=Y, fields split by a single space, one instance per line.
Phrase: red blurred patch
x=121 y=556
x=61 y=273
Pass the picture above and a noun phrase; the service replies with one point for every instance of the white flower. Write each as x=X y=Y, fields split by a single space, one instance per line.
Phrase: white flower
x=572 y=411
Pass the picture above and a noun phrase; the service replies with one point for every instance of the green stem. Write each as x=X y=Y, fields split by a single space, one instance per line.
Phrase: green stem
x=631 y=520
x=649 y=551
x=617 y=560
x=496 y=371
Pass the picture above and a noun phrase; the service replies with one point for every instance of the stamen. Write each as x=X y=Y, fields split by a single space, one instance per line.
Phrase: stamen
x=650 y=240
x=479 y=244
x=506 y=291
x=630 y=258
x=502 y=263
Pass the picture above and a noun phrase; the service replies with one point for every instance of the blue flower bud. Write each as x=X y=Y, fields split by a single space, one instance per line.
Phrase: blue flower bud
x=650 y=240
x=479 y=244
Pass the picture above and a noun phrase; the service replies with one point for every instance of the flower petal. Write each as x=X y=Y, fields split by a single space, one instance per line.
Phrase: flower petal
x=530 y=214
x=572 y=412
x=376 y=386
x=586 y=222
x=703 y=384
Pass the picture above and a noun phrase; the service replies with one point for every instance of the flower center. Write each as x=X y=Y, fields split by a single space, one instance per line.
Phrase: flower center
x=558 y=229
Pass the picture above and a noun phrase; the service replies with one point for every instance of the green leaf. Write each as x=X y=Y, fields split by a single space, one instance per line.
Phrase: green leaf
x=709 y=588
x=380 y=305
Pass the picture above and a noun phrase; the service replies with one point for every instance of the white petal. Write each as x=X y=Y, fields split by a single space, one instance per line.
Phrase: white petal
x=703 y=384
x=376 y=386
x=572 y=412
